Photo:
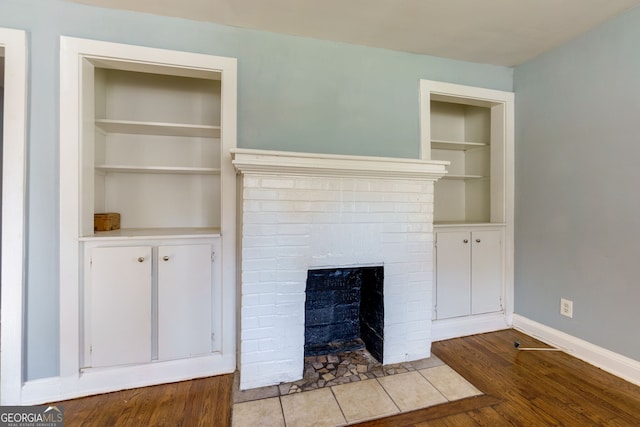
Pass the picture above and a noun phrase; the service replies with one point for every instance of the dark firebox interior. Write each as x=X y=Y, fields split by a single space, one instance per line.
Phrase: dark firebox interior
x=344 y=310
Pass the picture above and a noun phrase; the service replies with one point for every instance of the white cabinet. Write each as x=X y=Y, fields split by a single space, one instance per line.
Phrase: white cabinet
x=486 y=271
x=151 y=302
x=184 y=301
x=120 y=306
x=453 y=275
x=468 y=273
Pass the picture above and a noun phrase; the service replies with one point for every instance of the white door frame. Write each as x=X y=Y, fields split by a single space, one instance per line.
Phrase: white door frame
x=13 y=214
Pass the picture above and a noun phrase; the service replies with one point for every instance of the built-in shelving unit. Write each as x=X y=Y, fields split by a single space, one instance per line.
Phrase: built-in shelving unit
x=460 y=134
x=156 y=147
x=146 y=133
x=472 y=129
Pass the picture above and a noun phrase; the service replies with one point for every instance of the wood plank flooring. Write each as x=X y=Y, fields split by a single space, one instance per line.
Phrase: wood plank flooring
x=522 y=388
x=202 y=402
x=525 y=388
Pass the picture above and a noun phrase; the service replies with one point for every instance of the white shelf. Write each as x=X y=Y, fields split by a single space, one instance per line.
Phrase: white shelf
x=442 y=144
x=446 y=224
x=464 y=177
x=145 y=233
x=158 y=169
x=158 y=128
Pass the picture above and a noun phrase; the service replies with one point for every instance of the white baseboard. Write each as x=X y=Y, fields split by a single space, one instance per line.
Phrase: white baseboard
x=469 y=325
x=614 y=363
x=105 y=380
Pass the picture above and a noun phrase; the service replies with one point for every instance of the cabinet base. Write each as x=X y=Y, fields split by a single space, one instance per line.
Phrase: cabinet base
x=468 y=325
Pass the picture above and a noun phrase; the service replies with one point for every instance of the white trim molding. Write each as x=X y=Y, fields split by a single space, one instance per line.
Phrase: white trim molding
x=105 y=380
x=607 y=360
x=468 y=325
x=14 y=45
x=288 y=163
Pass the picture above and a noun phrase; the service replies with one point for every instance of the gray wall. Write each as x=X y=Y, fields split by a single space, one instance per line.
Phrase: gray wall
x=577 y=175
x=294 y=94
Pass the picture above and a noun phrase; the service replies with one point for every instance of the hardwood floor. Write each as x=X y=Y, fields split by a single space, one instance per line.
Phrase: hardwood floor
x=522 y=388
x=525 y=388
x=202 y=402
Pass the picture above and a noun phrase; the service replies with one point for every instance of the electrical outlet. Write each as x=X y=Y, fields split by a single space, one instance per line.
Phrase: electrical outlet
x=566 y=307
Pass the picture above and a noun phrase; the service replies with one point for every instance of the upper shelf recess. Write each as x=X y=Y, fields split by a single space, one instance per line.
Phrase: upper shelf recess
x=158 y=128
x=158 y=169
x=442 y=144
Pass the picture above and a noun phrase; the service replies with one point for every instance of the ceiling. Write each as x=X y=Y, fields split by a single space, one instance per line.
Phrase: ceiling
x=500 y=32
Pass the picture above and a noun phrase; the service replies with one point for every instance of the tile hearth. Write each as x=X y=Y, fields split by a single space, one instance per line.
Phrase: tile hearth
x=349 y=387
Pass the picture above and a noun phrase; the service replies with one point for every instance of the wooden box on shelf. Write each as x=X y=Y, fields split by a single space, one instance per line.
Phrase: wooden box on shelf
x=106 y=221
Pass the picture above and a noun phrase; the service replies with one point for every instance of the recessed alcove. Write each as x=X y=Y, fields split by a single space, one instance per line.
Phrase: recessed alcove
x=344 y=310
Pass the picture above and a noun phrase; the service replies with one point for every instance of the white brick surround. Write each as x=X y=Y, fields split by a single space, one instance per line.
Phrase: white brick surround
x=308 y=211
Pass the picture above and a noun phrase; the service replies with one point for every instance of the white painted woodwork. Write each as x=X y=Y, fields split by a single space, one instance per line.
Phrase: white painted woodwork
x=614 y=363
x=184 y=301
x=157 y=128
x=156 y=154
x=158 y=201
x=185 y=292
x=147 y=133
x=120 y=311
x=466 y=130
x=267 y=161
x=129 y=234
x=473 y=129
x=486 y=271
x=456 y=327
x=453 y=274
x=13 y=49
x=468 y=273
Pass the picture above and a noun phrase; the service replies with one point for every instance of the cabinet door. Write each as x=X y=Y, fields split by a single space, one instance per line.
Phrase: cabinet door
x=486 y=272
x=120 y=306
x=184 y=301
x=453 y=278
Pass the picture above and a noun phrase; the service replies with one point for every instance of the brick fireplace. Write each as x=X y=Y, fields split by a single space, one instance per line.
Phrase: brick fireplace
x=302 y=212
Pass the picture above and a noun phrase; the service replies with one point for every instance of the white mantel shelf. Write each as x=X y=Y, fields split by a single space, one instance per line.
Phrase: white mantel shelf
x=281 y=162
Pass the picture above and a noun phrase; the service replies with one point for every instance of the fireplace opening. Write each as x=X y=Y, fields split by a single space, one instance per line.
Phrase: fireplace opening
x=344 y=310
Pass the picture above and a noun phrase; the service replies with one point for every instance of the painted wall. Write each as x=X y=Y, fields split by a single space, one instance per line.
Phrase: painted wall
x=577 y=228
x=294 y=94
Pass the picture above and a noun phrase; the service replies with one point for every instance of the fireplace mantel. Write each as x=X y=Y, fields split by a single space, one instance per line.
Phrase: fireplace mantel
x=292 y=163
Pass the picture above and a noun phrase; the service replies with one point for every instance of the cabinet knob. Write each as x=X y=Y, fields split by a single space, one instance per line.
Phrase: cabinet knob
x=465 y=241
x=165 y=258
x=478 y=240
x=141 y=259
